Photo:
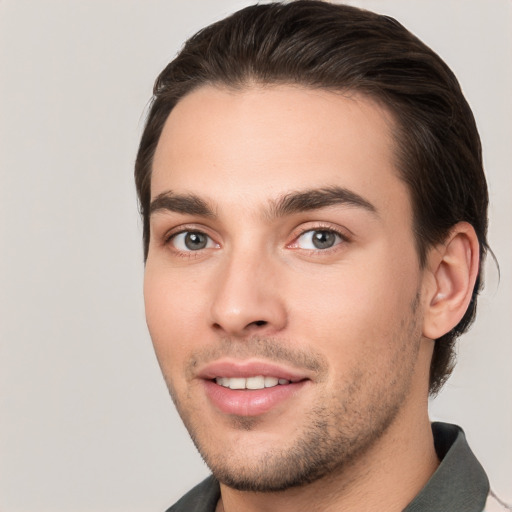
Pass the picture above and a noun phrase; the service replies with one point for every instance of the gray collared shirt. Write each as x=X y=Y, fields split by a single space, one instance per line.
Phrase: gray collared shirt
x=458 y=485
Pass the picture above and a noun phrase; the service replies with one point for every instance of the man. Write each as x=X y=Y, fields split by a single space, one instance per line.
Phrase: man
x=315 y=215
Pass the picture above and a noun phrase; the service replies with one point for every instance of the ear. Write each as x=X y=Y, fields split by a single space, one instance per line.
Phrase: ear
x=452 y=269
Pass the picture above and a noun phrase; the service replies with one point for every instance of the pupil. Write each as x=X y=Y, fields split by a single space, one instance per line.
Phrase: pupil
x=323 y=239
x=195 y=241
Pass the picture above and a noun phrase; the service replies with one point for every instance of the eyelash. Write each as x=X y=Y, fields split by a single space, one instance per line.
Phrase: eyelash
x=168 y=239
x=343 y=238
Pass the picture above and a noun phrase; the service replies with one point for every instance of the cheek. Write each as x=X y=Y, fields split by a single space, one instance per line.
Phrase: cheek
x=171 y=316
x=356 y=309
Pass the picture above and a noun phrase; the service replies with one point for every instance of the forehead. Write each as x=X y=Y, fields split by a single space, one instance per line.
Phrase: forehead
x=261 y=142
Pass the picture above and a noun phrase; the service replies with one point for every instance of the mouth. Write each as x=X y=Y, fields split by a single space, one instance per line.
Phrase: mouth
x=251 y=388
x=253 y=383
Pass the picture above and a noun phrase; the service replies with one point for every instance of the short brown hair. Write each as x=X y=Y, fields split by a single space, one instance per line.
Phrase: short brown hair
x=342 y=48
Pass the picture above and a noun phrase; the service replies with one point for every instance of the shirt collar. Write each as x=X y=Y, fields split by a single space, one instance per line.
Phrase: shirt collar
x=460 y=482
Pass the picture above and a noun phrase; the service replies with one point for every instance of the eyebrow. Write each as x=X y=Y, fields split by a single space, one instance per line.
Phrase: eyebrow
x=315 y=199
x=289 y=204
x=187 y=204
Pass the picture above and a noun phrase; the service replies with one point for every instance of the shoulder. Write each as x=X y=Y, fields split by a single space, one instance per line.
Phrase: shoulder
x=494 y=504
x=202 y=498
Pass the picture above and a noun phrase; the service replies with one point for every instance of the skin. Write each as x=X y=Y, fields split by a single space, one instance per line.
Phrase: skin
x=356 y=319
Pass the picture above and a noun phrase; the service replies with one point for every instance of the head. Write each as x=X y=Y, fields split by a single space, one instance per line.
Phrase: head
x=279 y=53
x=342 y=48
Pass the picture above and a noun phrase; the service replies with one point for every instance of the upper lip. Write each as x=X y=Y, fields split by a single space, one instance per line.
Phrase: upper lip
x=250 y=368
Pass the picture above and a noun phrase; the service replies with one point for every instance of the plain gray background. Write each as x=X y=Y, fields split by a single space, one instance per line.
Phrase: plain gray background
x=85 y=420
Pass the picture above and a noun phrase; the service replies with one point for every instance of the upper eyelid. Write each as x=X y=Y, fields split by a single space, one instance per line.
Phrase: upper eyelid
x=335 y=231
x=187 y=228
x=343 y=232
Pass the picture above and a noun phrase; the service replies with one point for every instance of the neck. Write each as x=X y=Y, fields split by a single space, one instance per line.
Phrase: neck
x=386 y=478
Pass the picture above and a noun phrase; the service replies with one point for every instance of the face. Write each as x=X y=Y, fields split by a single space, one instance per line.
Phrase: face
x=282 y=288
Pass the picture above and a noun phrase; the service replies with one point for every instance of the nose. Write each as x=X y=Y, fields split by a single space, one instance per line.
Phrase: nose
x=247 y=298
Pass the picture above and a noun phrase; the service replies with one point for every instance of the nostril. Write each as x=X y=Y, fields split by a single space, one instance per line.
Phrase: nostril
x=252 y=325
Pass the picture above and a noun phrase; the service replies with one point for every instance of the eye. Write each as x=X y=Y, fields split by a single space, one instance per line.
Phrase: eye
x=191 y=241
x=318 y=239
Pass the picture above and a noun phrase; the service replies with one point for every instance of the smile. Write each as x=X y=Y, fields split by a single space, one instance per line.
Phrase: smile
x=251 y=387
x=257 y=382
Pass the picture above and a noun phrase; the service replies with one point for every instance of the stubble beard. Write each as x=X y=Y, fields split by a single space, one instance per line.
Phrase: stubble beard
x=333 y=436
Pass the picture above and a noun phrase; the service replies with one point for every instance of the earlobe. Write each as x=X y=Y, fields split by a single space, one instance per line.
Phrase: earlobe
x=453 y=269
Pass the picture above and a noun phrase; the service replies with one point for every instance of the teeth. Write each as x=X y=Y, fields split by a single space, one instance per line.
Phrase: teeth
x=237 y=383
x=270 y=382
x=256 y=382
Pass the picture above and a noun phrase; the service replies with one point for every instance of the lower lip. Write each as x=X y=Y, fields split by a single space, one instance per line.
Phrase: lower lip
x=249 y=402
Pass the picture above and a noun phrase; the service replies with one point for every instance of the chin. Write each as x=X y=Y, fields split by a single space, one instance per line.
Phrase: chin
x=256 y=462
